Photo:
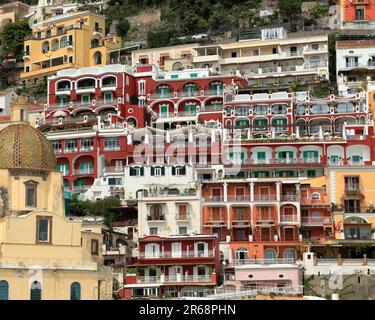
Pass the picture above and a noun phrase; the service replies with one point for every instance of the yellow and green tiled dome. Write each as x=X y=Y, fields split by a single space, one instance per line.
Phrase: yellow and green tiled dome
x=23 y=147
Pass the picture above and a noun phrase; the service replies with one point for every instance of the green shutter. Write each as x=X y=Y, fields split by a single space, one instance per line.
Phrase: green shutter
x=152 y=171
x=261 y=155
x=173 y=171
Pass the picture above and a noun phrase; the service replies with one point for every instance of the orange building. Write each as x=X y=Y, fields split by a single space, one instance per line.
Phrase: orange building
x=357 y=14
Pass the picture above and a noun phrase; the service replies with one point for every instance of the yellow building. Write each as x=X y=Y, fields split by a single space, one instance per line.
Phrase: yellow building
x=352 y=194
x=71 y=40
x=171 y=58
x=43 y=255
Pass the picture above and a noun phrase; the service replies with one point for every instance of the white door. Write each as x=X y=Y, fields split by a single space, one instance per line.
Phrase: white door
x=176 y=250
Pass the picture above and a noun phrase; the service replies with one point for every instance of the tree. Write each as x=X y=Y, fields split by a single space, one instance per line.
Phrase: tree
x=122 y=27
x=289 y=8
x=13 y=35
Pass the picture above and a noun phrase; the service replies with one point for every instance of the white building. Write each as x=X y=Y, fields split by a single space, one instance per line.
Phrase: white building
x=6 y=97
x=355 y=64
x=272 y=59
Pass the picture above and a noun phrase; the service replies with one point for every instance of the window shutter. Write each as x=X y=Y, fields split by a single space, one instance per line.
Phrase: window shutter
x=162 y=171
x=183 y=170
x=142 y=171
x=152 y=171
x=131 y=171
x=173 y=171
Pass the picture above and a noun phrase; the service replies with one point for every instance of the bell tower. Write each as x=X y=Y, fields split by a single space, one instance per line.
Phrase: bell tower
x=19 y=111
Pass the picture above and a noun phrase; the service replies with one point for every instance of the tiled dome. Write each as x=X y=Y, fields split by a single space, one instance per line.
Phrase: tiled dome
x=23 y=147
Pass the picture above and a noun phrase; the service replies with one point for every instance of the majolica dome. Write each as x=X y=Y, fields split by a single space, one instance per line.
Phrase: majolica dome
x=23 y=147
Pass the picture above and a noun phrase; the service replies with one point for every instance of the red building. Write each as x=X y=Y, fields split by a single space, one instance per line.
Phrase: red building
x=175 y=266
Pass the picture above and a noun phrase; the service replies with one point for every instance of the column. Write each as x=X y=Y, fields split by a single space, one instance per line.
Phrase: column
x=278 y=196
x=225 y=191
x=251 y=191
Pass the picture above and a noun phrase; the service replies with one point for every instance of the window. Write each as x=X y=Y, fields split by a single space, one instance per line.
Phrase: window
x=178 y=171
x=70 y=146
x=163 y=111
x=108 y=97
x=311 y=173
x=274 y=50
x=114 y=181
x=351 y=183
x=154 y=231
x=182 y=212
x=193 y=75
x=112 y=144
x=181 y=231
x=360 y=14
x=48 y=33
x=27 y=69
x=136 y=171
x=315 y=196
x=156 y=212
x=174 y=76
x=87 y=144
x=94 y=247
x=75 y=291
x=30 y=194
x=85 y=99
x=157 y=171
x=233 y=54
x=293 y=51
x=36 y=291
x=44 y=229
x=4 y=290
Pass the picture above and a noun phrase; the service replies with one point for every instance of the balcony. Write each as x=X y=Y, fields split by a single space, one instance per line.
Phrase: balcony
x=111 y=86
x=183 y=216
x=86 y=148
x=241 y=262
x=156 y=218
x=71 y=150
x=212 y=108
x=188 y=94
x=352 y=187
x=289 y=218
x=157 y=96
x=241 y=219
x=178 y=254
x=264 y=198
x=238 y=198
x=290 y=197
x=213 y=198
x=316 y=221
x=175 y=279
x=213 y=93
x=85 y=89
x=266 y=219
x=216 y=220
x=82 y=172
x=114 y=169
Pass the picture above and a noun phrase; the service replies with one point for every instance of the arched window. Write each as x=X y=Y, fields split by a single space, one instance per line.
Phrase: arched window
x=290 y=255
x=177 y=66
x=315 y=196
x=45 y=47
x=75 y=291
x=4 y=290
x=270 y=255
x=97 y=58
x=36 y=291
x=54 y=45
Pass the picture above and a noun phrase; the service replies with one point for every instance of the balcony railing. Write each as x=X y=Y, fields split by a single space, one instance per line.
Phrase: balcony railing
x=240 y=262
x=85 y=171
x=178 y=254
x=316 y=220
x=114 y=169
x=213 y=198
x=265 y=198
x=188 y=94
x=289 y=218
x=160 y=217
x=216 y=218
x=352 y=187
x=211 y=108
x=239 y=198
x=170 y=279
